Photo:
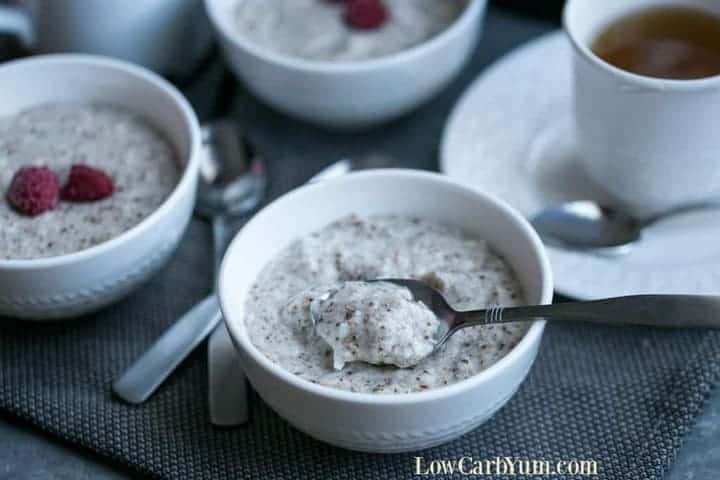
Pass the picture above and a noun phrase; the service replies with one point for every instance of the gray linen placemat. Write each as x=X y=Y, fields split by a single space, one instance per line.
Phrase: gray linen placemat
x=622 y=397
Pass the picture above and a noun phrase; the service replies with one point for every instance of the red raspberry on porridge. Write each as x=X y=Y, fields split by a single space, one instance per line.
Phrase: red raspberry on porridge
x=115 y=166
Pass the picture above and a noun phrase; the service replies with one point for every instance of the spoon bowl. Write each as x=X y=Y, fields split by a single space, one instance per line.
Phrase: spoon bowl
x=232 y=174
x=420 y=291
x=588 y=226
x=585 y=225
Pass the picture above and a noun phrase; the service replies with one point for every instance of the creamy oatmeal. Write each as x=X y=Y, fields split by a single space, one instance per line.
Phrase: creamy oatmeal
x=469 y=273
x=134 y=154
x=315 y=30
x=378 y=323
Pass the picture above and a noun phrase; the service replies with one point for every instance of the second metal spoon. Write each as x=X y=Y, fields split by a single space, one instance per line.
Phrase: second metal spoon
x=232 y=183
x=588 y=226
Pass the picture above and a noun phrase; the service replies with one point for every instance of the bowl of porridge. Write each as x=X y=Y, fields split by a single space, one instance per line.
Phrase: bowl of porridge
x=308 y=60
x=351 y=392
x=99 y=168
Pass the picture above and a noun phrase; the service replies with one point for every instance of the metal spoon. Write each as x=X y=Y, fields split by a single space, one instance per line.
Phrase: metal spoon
x=688 y=311
x=587 y=226
x=232 y=184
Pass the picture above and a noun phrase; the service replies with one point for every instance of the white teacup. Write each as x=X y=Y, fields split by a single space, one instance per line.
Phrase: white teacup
x=167 y=36
x=651 y=143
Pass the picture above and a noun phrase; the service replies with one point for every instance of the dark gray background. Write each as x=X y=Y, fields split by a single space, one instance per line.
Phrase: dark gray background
x=24 y=453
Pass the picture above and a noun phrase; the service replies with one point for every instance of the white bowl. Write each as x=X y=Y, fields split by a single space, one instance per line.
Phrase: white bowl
x=81 y=282
x=348 y=94
x=374 y=422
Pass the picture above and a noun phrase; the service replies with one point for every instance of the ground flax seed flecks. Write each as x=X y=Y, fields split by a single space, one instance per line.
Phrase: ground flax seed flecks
x=140 y=161
x=468 y=273
x=379 y=323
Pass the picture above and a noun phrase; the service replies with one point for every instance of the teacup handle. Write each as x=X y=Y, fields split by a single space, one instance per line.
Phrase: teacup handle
x=15 y=21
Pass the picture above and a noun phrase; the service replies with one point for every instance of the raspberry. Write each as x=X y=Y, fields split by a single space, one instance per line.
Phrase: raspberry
x=87 y=184
x=33 y=190
x=365 y=14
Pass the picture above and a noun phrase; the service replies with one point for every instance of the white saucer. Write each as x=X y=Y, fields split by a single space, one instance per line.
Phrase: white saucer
x=511 y=134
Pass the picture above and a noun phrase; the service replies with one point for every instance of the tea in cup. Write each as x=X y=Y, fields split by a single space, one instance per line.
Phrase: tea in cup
x=647 y=98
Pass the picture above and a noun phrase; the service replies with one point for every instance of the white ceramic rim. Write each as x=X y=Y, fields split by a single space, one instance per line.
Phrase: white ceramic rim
x=189 y=167
x=654 y=83
x=221 y=23
x=533 y=334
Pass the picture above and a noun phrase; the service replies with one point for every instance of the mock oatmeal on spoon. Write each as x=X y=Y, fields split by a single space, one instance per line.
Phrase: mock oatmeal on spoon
x=76 y=175
x=349 y=30
x=468 y=272
x=375 y=322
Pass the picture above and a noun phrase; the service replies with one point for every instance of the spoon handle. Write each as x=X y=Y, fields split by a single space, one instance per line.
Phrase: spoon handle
x=713 y=204
x=150 y=370
x=687 y=311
